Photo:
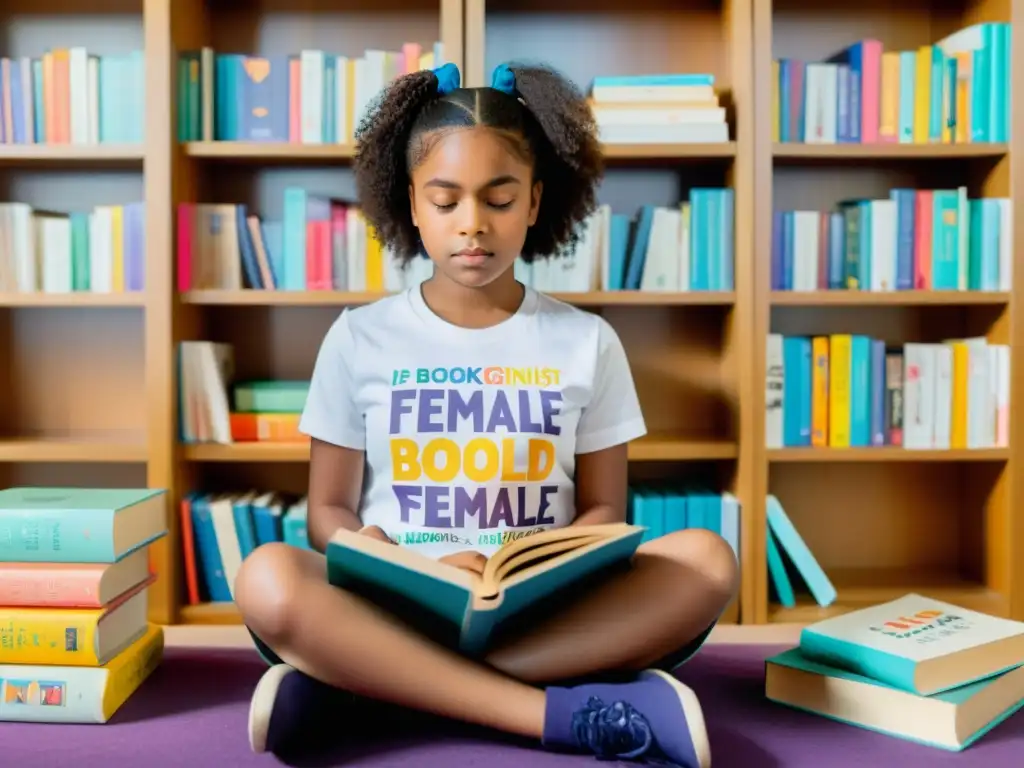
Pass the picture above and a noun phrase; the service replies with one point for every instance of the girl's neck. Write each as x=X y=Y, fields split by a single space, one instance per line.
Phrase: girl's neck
x=473 y=307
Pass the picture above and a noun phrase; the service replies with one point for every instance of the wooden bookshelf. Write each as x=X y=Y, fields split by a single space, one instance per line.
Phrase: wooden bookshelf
x=91 y=394
x=865 y=512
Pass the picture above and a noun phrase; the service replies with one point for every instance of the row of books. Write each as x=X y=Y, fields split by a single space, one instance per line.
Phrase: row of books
x=75 y=640
x=322 y=243
x=914 y=668
x=847 y=390
x=98 y=251
x=953 y=91
x=72 y=96
x=916 y=239
x=309 y=97
x=663 y=508
x=219 y=530
x=676 y=108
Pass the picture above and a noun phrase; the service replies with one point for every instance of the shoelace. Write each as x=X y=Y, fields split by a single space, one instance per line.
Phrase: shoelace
x=614 y=731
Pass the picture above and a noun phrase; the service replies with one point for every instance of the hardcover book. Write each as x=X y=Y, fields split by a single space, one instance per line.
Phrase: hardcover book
x=917 y=644
x=462 y=609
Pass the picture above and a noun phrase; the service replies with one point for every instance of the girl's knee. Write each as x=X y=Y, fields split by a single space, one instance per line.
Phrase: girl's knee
x=267 y=589
x=707 y=553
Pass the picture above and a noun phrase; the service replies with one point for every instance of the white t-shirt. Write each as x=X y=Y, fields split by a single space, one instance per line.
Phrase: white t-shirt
x=470 y=435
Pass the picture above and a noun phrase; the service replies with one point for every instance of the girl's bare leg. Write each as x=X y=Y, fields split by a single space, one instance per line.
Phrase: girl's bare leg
x=347 y=642
x=678 y=586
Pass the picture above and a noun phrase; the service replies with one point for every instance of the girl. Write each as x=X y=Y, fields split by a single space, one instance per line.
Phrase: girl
x=406 y=399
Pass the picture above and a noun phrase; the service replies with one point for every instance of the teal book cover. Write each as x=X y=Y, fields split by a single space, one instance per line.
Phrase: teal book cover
x=952 y=720
x=462 y=610
x=917 y=644
x=79 y=525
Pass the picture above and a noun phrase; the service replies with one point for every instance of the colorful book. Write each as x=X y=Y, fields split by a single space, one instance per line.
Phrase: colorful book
x=71 y=585
x=38 y=693
x=78 y=525
x=952 y=720
x=917 y=644
x=74 y=637
x=467 y=611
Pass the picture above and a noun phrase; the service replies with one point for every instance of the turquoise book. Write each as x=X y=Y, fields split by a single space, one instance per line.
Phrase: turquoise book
x=952 y=720
x=467 y=611
x=917 y=644
x=79 y=525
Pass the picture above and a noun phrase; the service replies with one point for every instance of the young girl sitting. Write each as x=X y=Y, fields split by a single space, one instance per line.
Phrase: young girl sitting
x=417 y=399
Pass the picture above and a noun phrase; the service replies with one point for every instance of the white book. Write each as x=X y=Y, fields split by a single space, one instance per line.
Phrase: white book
x=311 y=75
x=883 y=245
x=943 y=408
x=918 y=396
x=661 y=262
x=78 y=88
x=916 y=643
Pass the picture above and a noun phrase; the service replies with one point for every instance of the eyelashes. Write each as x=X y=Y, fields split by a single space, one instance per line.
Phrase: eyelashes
x=496 y=206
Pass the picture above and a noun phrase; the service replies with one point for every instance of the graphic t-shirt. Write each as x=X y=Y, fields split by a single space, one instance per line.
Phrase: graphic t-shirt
x=470 y=435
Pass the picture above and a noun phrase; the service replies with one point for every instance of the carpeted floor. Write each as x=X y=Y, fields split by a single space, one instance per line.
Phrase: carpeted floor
x=192 y=714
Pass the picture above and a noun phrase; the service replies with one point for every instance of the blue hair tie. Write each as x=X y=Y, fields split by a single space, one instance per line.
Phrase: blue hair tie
x=504 y=79
x=448 y=78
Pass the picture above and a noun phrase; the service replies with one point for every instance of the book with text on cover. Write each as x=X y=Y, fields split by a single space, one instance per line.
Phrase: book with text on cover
x=462 y=609
x=952 y=720
x=917 y=644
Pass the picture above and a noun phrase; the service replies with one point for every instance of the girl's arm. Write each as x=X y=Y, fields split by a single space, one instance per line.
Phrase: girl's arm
x=601 y=485
x=335 y=486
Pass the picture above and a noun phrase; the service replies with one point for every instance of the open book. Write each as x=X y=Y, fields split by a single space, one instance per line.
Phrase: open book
x=462 y=609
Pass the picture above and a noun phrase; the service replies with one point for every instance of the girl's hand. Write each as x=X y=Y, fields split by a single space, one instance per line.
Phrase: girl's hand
x=468 y=560
x=375 y=532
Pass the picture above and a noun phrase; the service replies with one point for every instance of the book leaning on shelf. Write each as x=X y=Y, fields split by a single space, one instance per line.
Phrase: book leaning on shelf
x=75 y=643
x=466 y=610
x=915 y=668
x=321 y=243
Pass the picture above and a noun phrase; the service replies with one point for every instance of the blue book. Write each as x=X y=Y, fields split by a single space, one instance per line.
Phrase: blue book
x=917 y=644
x=466 y=611
x=950 y=721
x=78 y=525
x=792 y=544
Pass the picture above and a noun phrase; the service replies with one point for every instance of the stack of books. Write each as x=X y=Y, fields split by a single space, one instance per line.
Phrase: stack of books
x=915 y=668
x=75 y=640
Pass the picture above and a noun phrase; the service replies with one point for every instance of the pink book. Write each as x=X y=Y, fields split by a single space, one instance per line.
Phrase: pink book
x=923 y=240
x=294 y=101
x=411 y=53
x=318 y=255
x=186 y=214
x=870 y=90
x=72 y=585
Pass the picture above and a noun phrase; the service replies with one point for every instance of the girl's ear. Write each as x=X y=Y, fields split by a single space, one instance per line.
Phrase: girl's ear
x=535 y=194
x=412 y=206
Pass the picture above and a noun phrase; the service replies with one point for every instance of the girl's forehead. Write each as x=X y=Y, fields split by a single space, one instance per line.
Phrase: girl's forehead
x=471 y=151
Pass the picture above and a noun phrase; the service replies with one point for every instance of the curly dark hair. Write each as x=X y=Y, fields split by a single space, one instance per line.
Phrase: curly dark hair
x=547 y=122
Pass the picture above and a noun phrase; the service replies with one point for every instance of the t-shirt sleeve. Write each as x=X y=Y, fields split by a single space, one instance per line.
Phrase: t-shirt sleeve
x=613 y=415
x=331 y=414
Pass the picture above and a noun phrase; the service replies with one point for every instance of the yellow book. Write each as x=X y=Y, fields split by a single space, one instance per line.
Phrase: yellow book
x=922 y=94
x=889 y=109
x=73 y=637
x=840 y=363
x=117 y=246
x=350 y=103
x=374 y=261
x=819 y=391
x=958 y=417
x=962 y=130
x=60 y=694
x=775 y=101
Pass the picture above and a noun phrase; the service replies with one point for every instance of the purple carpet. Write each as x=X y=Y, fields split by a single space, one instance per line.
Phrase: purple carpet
x=192 y=712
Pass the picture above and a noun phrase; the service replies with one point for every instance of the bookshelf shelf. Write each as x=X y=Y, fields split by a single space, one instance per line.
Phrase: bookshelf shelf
x=73 y=300
x=210 y=613
x=887 y=299
x=90 y=449
x=323 y=153
x=70 y=154
x=882 y=453
x=795 y=151
x=347 y=298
